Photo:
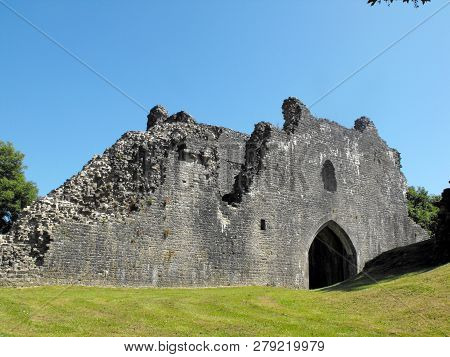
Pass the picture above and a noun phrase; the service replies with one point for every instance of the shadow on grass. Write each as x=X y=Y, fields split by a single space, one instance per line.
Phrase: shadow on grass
x=362 y=281
x=415 y=258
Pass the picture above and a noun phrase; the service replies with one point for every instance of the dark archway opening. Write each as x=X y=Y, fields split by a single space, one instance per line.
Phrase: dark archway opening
x=331 y=257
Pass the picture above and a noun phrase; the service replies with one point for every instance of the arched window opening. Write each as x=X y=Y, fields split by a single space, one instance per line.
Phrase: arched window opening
x=329 y=176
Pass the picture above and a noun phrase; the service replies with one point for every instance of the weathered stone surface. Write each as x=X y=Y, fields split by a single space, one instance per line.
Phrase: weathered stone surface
x=187 y=204
x=362 y=124
x=293 y=112
x=181 y=117
x=158 y=114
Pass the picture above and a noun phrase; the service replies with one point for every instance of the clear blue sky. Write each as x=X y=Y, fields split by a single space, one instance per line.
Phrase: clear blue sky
x=229 y=63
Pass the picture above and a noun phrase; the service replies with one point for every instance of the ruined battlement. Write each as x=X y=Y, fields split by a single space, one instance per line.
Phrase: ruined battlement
x=188 y=204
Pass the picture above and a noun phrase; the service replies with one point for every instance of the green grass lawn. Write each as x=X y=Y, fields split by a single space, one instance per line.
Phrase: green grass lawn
x=411 y=305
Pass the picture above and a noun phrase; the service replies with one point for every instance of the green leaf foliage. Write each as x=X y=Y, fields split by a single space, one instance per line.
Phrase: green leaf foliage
x=422 y=208
x=415 y=2
x=15 y=191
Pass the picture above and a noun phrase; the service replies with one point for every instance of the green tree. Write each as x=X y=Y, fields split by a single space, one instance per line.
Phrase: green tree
x=15 y=191
x=422 y=208
x=415 y=2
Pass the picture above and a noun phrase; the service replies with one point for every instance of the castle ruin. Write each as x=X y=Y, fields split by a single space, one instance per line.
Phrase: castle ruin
x=188 y=204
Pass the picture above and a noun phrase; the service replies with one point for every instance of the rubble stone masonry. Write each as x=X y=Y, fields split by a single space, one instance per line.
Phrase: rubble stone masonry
x=187 y=204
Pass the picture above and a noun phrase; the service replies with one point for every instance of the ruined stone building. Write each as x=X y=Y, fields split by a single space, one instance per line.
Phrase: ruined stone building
x=188 y=204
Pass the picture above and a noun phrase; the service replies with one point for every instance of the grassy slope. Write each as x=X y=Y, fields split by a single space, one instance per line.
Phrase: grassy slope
x=413 y=304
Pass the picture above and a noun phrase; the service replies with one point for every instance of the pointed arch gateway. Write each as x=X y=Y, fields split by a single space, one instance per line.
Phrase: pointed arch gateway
x=331 y=256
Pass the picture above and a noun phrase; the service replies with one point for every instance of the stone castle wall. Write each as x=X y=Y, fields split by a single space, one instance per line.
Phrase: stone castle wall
x=187 y=204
